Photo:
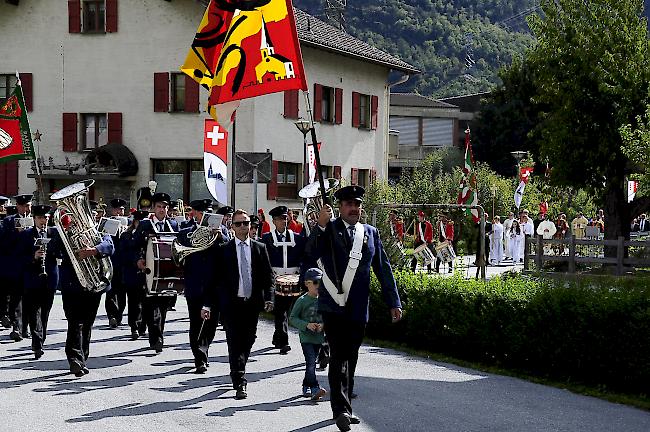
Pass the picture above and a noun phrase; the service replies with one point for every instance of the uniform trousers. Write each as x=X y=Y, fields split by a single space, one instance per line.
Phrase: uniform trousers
x=281 y=310
x=115 y=301
x=80 y=309
x=38 y=303
x=135 y=297
x=344 y=337
x=15 y=307
x=241 y=332
x=200 y=339
x=4 y=300
x=154 y=313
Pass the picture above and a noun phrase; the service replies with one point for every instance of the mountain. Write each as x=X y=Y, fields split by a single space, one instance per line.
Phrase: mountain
x=440 y=37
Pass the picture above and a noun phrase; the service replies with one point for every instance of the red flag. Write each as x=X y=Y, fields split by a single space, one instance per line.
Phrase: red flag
x=215 y=160
x=524 y=174
x=10 y=139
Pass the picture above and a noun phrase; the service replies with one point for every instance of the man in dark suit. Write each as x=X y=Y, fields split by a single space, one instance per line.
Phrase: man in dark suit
x=345 y=250
x=115 y=301
x=199 y=273
x=41 y=274
x=243 y=287
x=644 y=224
x=133 y=279
x=154 y=309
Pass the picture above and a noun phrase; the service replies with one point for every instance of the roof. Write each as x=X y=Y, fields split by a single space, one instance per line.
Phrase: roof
x=467 y=103
x=417 y=100
x=318 y=34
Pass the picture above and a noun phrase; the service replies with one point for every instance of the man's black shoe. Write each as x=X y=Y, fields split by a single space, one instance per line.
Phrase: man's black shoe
x=6 y=322
x=158 y=346
x=78 y=371
x=201 y=369
x=26 y=335
x=142 y=332
x=38 y=354
x=241 y=392
x=354 y=419
x=285 y=349
x=135 y=335
x=112 y=323
x=15 y=336
x=343 y=422
x=85 y=370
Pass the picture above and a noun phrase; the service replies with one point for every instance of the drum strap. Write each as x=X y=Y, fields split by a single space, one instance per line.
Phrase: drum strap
x=350 y=271
x=421 y=231
x=284 y=244
x=443 y=234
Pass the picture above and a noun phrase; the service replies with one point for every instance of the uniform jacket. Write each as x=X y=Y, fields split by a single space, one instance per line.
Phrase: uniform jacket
x=33 y=267
x=11 y=263
x=223 y=290
x=199 y=266
x=67 y=275
x=449 y=232
x=373 y=256
x=276 y=254
x=428 y=232
x=131 y=275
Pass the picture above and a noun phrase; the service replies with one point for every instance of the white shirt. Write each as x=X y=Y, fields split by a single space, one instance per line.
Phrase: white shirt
x=247 y=242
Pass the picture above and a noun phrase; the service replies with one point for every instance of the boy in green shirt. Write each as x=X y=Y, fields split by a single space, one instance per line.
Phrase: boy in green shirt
x=308 y=321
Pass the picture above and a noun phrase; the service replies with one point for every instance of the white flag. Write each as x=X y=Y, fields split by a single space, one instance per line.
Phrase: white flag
x=519 y=193
x=632 y=187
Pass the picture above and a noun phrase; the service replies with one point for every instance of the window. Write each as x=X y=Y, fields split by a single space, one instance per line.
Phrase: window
x=327 y=105
x=95 y=131
x=178 y=92
x=94 y=16
x=328 y=171
x=288 y=180
x=182 y=179
x=409 y=129
x=363 y=178
x=7 y=86
x=364 y=111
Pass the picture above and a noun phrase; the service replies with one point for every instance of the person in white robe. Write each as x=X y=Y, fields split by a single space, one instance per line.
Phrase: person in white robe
x=527 y=229
x=496 y=241
x=507 y=225
x=547 y=230
x=515 y=241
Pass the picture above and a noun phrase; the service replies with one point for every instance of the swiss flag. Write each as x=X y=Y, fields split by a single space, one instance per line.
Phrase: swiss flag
x=215 y=140
x=10 y=139
x=524 y=174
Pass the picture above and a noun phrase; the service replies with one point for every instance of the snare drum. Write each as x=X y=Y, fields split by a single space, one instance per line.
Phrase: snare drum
x=163 y=277
x=287 y=285
x=445 y=252
x=424 y=253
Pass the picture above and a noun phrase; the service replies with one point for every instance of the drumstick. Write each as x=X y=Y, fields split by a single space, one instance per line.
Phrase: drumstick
x=198 y=339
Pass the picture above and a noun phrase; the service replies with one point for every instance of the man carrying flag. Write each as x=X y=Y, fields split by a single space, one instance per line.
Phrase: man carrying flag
x=468 y=193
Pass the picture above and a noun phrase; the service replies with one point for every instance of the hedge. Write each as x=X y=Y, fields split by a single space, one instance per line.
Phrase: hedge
x=583 y=332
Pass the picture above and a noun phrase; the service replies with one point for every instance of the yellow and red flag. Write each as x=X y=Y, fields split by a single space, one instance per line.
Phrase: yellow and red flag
x=244 y=49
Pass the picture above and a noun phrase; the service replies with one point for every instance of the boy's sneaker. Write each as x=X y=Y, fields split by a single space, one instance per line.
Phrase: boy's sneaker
x=306 y=391
x=317 y=393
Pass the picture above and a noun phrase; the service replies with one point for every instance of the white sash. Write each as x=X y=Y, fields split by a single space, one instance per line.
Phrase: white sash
x=350 y=271
x=420 y=230
x=442 y=231
x=284 y=244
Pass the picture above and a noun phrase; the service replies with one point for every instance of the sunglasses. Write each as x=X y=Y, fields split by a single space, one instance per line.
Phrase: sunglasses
x=238 y=224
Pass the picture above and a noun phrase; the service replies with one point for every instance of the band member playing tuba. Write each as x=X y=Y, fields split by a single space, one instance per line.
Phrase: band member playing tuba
x=41 y=247
x=285 y=249
x=199 y=272
x=155 y=307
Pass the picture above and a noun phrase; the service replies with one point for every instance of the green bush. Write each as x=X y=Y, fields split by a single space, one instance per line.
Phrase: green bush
x=586 y=332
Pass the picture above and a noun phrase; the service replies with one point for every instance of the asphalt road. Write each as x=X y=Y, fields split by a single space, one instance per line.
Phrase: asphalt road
x=129 y=388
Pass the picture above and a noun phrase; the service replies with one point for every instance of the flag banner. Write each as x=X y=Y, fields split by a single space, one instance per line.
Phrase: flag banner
x=632 y=188
x=519 y=193
x=247 y=52
x=15 y=135
x=468 y=193
x=543 y=207
x=215 y=160
x=524 y=174
x=311 y=156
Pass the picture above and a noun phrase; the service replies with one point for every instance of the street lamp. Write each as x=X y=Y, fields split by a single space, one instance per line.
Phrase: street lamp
x=304 y=126
x=494 y=189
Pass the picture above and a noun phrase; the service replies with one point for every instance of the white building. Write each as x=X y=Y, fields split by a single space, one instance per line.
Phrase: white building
x=107 y=71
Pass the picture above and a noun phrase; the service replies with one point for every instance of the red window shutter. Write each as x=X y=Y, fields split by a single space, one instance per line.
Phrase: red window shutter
x=115 y=128
x=291 y=104
x=354 y=176
x=355 y=109
x=74 y=16
x=9 y=178
x=318 y=102
x=111 y=16
x=70 y=132
x=374 y=106
x=27 y=84
x=191 y=95
x=272 y=186
x=338 y=102
x=337 y=172
x=161 y=92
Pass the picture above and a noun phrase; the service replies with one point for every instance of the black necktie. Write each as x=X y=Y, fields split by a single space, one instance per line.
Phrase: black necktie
x=160 y=225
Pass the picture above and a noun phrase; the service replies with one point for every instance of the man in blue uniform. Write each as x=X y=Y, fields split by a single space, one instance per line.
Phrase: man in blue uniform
x=11 y=265
x=41 y=273
x=4 y=294
x=226 y=211
x=199 y=273
x=80 y=305
x=285 y=249
x=115 y=301
x=345 y=250
x=155 y=306
x=133 y=279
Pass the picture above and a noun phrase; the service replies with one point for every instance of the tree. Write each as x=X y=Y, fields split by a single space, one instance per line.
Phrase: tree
x=592 y=73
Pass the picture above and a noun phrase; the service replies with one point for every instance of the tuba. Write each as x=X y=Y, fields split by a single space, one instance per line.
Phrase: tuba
x=94 y=273
x=314 y=200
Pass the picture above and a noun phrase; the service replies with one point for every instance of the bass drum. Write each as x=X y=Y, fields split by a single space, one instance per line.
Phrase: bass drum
x=163 y=277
